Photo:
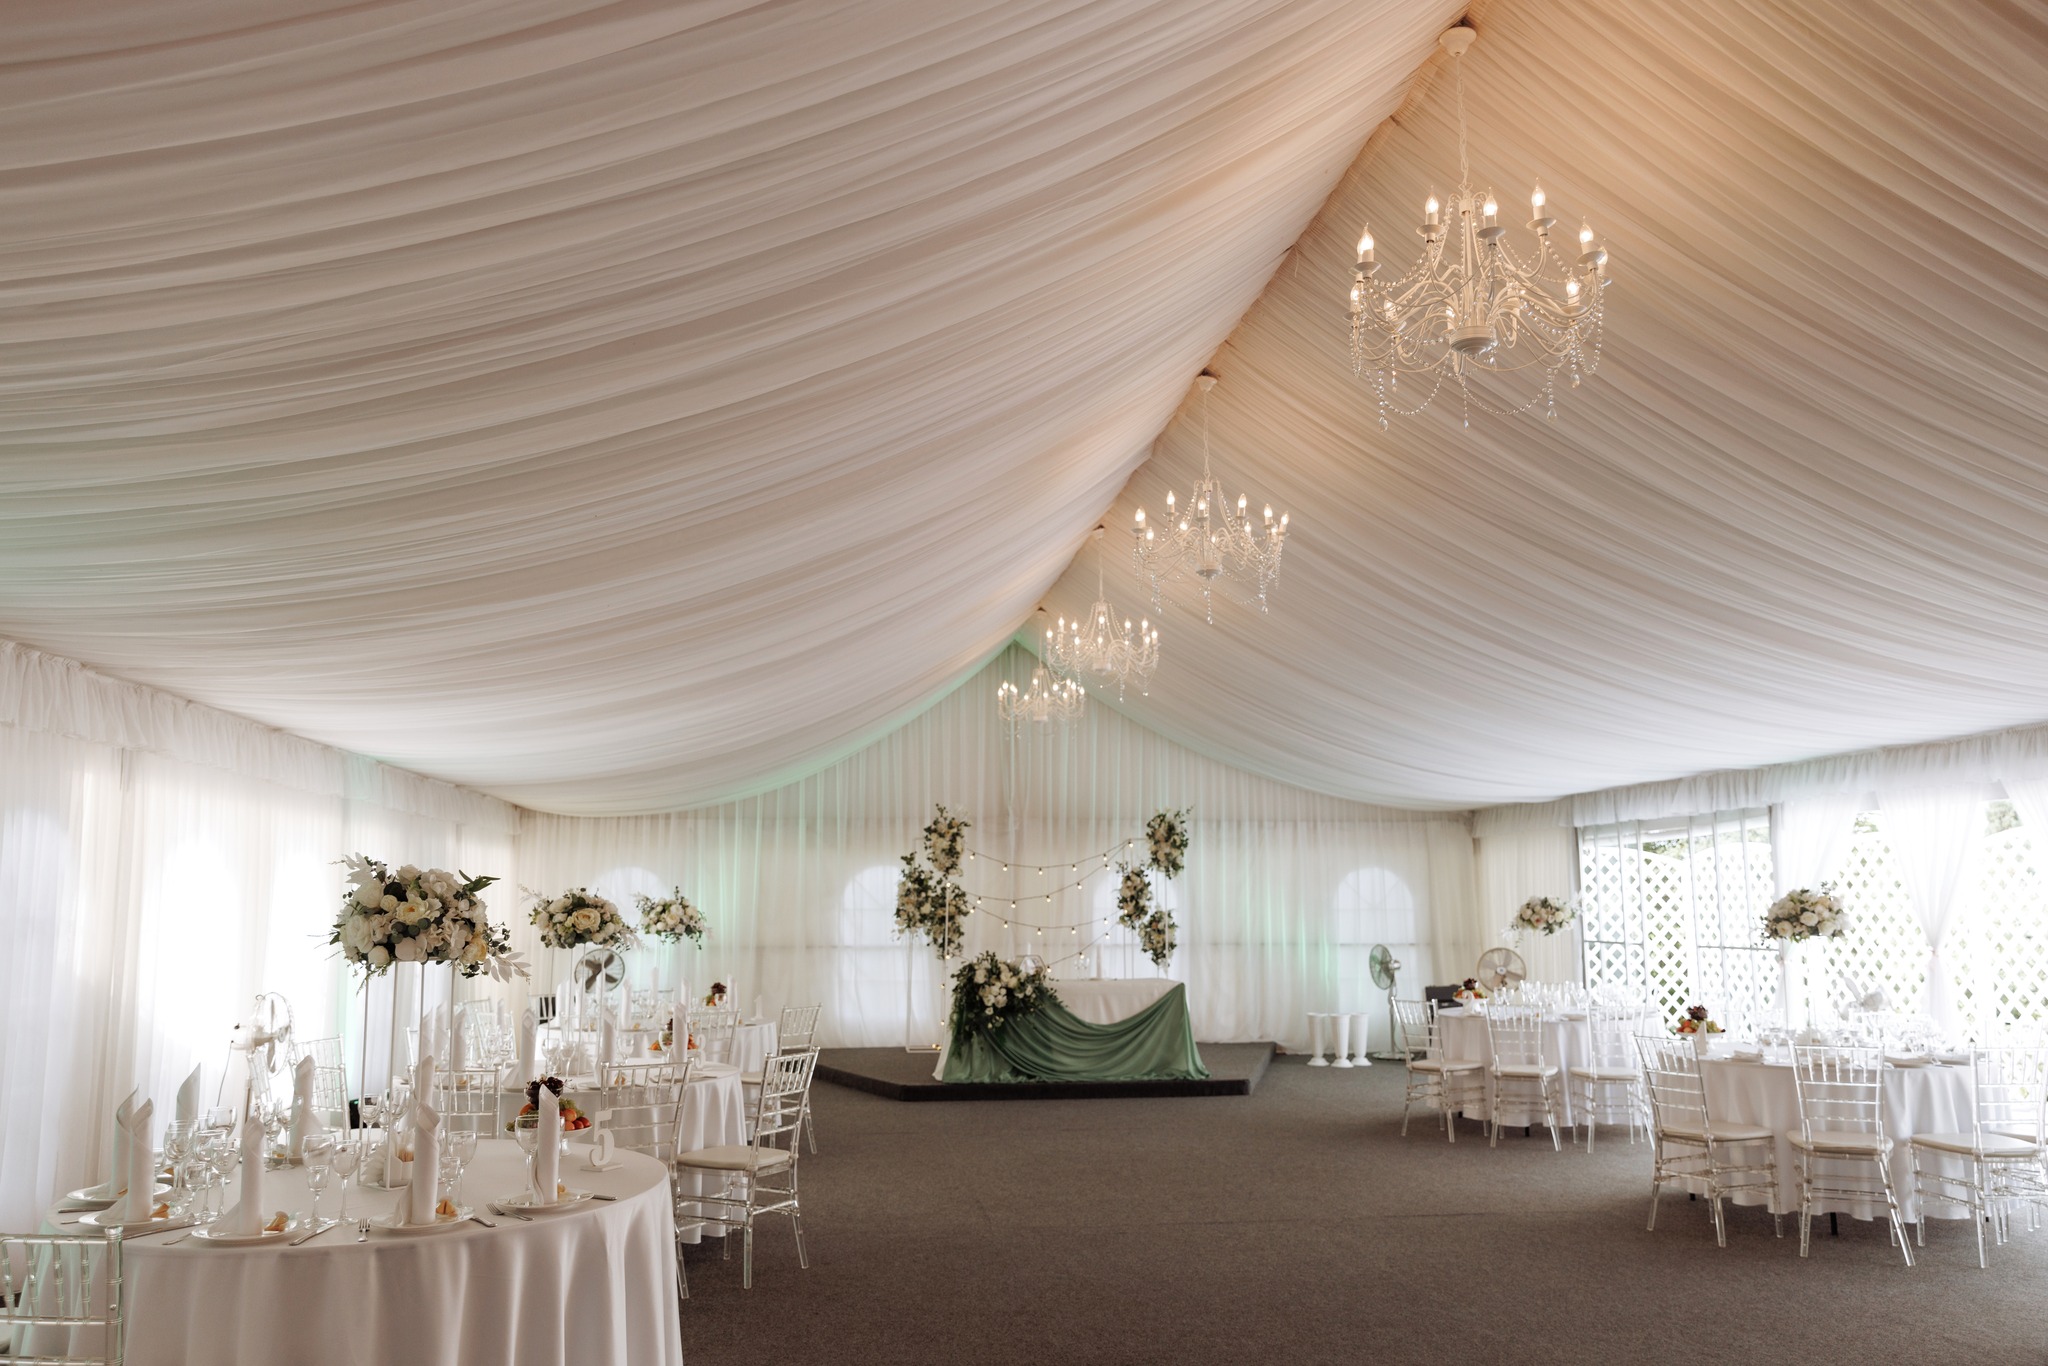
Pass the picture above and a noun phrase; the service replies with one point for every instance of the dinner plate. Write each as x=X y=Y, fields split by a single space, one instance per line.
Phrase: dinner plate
x=1907 y=1060
x=107 y=1218
x=220 y=1237
x=390 y=1224
x=96 y=1197
x=575 y=1199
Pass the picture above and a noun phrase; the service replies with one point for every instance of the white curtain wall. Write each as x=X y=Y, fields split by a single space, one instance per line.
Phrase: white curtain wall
x=160 y=864
x=1513 y=866
x=1284 y=894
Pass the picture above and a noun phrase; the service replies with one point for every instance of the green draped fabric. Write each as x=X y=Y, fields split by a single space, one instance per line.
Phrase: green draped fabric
x=1052 y=1044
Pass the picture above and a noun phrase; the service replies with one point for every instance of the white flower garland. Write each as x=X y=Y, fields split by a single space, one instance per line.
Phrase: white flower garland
x=1806 y=914
x=945 y=842
x=1545 y=915
x=1166 y=841
x=1155 y=927
x=416 y=915
x=671 y=918
x=581 y=916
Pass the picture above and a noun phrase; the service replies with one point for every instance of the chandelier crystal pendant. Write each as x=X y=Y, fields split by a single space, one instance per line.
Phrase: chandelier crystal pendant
x=1209 y=537
x=1047 y=702
x=1101 y=648
x=1470 y=305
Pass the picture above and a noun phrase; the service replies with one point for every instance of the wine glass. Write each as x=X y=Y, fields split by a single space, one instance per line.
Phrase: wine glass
x=347 y=1154
x=319 y=1155
x=369 y=1110
x=177 y=1148
x=463 y=1149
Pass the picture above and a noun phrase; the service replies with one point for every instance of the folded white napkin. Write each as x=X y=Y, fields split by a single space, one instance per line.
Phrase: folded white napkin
x=430 y=1034
x=760 y=1010
x=426 y=1164
x=138 y=1175
x=458 y=1050
x=607 y=1049
x=302 y=1107
x=529 y=1026
x=187 y=1115
x=547 y=1149
x=248 y=1215
x=117 y=1147
x=683 y=1003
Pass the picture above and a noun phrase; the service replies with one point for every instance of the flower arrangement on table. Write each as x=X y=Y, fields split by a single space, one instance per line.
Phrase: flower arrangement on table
x=1806 y=914
x=671 y=918
x=714 y=997
x=420 y=915
x=945 y=842
x=989 y=993
x=581 y=916
x=1166 y=841
x=572 y=1118
x=1544 y=914
x=1470 y=990
x=1696 y=1021
x=930 y=905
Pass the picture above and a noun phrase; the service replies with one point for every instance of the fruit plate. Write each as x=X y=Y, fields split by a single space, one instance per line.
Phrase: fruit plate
x=220 y=1237
x=390 y=1223
x=575 y=1199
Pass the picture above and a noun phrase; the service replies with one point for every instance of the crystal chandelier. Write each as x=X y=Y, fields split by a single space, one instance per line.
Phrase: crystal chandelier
x=1100 y=648
x=1473 y=306
x=1048 y=701
x=1209 y=538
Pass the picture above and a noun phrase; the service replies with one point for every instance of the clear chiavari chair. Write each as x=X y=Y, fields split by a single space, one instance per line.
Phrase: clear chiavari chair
x=61 y=1299
x=471 y=1100
x=1841 y=1128
x=2002 y=1155
x=760 y=1176
x=1435 y=1079
x=330 y=1081
x=1612 y=1071
x=795 y=1032
x=1688 y=1144
x=713 y=1028
x=1518 y=1069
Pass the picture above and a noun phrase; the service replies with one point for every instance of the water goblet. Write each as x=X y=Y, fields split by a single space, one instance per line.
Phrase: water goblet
x=346 y=1156
x=462 y=1148
x=177 y=1148
x=526 y=1129
x=319 y=1154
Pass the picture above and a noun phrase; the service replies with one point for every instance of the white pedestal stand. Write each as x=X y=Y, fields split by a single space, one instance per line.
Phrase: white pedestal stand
x=1364 y=1028
x=1315 y=1029
x=1343 y=1041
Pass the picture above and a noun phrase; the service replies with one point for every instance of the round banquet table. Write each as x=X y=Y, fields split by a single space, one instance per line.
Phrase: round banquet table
x=1567 y=1042
x=594 y=1284
x=753 y=1043
x=1936 y=1098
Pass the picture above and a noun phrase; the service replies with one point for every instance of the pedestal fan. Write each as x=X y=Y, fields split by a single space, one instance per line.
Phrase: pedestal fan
x=1385 y=970
x=1501 y=968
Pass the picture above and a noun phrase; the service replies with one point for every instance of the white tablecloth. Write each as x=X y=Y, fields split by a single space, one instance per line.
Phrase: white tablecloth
x=1920 y=1100
x=597 y=1284
x=1567 y=1043
x=753 y=1043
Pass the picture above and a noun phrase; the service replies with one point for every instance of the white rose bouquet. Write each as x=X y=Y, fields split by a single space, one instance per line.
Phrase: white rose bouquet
x=1166 y=841
x=581 y=916
x=1157 y=936
x=1133 y=895
x=945 y=842
x=420 y=915
x=671 y=918
x=988 y=993
x=1545 y=915
x=1806 y=914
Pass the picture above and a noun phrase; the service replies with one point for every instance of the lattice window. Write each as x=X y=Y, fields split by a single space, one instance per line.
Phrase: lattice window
x=1671 y=909
x=1883 y=946
x=1997 y=947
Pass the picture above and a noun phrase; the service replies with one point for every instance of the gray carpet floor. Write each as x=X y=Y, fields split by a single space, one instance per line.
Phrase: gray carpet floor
x=1296 y=1225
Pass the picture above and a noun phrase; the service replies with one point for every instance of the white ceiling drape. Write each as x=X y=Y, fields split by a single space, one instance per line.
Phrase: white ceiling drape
x=619 y=406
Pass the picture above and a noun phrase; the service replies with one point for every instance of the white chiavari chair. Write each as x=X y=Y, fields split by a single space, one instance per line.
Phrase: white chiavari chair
x=1518 y=1069
x=61 y=1299
x=760 y=1176
x=2003 y=1152
x=1841 y=1126
x=1688 y=1144
x=1434 y=1079
x=1612 y=1071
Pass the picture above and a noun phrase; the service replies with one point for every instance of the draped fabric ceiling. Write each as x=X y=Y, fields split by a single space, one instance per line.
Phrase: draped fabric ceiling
x=618 y=407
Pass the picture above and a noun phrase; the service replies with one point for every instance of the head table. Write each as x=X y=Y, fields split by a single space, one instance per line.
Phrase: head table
x=596 y=1284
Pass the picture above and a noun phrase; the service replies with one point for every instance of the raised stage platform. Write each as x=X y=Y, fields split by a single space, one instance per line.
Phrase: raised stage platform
x=1234 y=1070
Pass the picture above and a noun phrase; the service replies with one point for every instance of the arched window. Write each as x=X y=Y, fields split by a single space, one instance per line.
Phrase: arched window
x=1376 y=906
x=871 y=970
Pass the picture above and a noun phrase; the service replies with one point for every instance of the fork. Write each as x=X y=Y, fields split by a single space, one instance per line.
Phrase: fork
x=511 y=1214
x=363 y=1231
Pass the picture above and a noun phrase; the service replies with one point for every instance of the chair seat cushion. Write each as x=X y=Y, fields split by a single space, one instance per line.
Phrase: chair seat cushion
x=1605 y=1073
x=1723 y=1133
x=1993 y=1145
x=1839 y=1141
x=1524 y=1069
x=734 y=1157
x=750 y=1078
x=1442 y=1065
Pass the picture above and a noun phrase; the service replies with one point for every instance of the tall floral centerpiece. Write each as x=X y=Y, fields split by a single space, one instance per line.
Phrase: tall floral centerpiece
x=931 y=906
x=580 y=916
x=415 y=915
x=671 y=918
x=1543 y=915
x=1803 y=914
x=1166 y=848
